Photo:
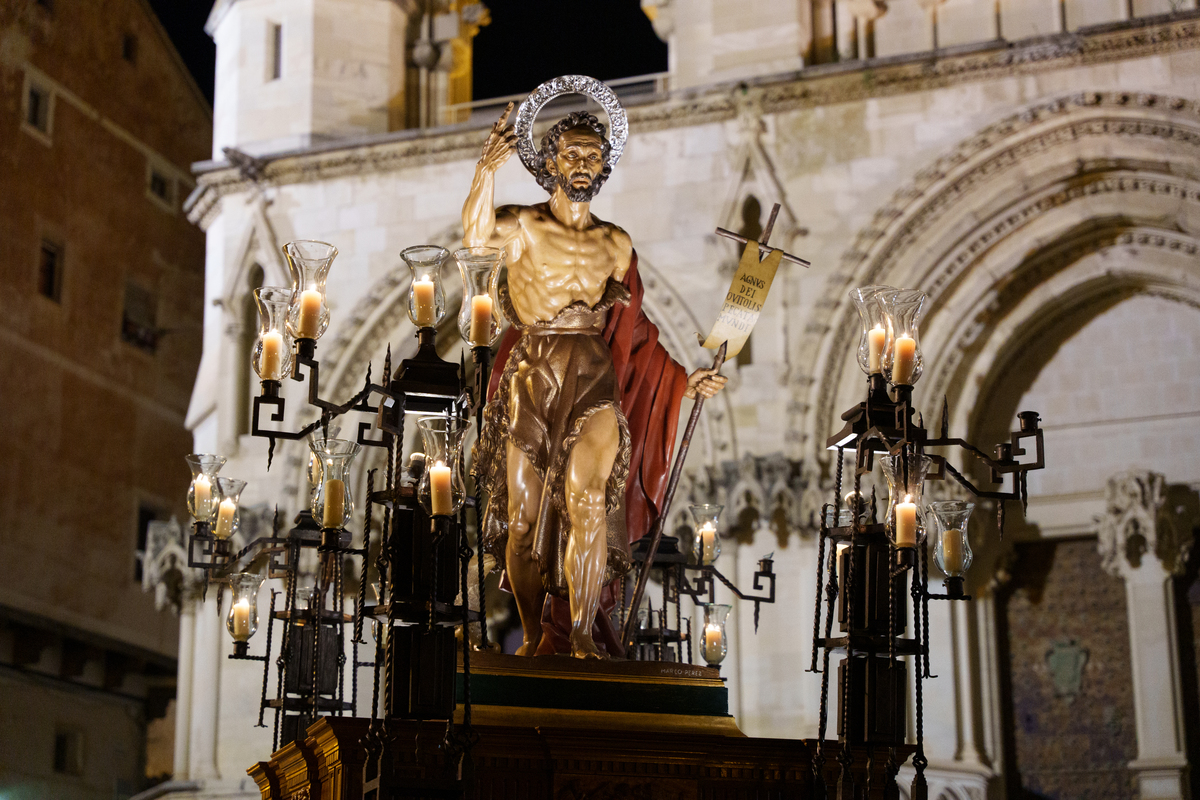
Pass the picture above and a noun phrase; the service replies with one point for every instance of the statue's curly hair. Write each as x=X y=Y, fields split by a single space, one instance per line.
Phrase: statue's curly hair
x=576 y=119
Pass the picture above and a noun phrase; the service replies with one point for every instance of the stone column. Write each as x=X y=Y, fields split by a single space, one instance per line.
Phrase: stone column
x=183 y=690
x=206 y=684
x=1138 y=544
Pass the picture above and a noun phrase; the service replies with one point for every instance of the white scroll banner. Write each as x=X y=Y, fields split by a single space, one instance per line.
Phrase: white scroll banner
x=744 y=301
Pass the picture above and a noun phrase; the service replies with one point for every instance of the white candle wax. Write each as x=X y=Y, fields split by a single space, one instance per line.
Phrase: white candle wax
x=906 y=523
x=952 y=551
x=225 y=514
x=309 y=319
x=712 y=644
x=905 y=360
x=240 y=619
x=202 y=494
x=876 y=344
x=708 y=543
x=441 y=500
x=481 y=320
x=335 y=503
x=270 y=365
x=424 y=303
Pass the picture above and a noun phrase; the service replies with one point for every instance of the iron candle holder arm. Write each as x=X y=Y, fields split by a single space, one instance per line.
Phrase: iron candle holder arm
x=765 y=572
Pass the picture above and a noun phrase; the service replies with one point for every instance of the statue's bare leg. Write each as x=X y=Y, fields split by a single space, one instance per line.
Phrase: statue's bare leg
x=588 y=470
x=524 y=500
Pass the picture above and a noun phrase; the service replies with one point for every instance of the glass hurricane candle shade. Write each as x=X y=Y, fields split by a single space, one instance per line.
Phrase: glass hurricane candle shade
x=441 y=490
x=309 y=263
x=876 y=340
x=478 y=317
x=953 y=548
x=242 y=619
x=426 y=298
x=272 y=357
x=714 y=642
x=314 y=472
x=227 y=512
x=904 y=308
x=333 y=505
x=905 y=476
x=706 y=543
x=203 y=488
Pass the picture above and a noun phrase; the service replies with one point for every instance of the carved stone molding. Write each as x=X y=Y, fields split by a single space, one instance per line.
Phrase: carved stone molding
x=807 y=89
x=1135 y=525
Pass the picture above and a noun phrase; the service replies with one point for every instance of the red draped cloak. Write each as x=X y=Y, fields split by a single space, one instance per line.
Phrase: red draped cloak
x=652 y=386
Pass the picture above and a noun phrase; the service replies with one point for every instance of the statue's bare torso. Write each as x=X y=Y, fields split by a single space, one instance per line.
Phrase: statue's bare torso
x=552 y=265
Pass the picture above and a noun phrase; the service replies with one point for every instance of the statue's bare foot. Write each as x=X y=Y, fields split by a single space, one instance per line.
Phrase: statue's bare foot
x=527 y=649
x=583 y=646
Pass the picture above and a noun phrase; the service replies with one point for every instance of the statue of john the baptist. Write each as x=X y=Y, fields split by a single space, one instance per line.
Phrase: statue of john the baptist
x=580 y=423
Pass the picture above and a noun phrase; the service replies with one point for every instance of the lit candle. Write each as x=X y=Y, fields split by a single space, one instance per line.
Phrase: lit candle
x=708 y=543
x=481 y=320
x=270 y=367
x=424 y=302
x=952 y=551
x=202 y=491
x=309 y=320
x=241 y=620
x=712 y=644
x=876 y=344
x=225 y=516
x=906 y=360
x=906 y=523
x=441 y=500
x=335 y=503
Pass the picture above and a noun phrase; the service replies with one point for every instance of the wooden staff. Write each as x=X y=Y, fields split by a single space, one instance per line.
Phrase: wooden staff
x=657 y=532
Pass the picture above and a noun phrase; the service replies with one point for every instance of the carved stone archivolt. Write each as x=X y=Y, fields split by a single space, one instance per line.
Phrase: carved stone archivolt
x=1137 y=525
x=884 y=251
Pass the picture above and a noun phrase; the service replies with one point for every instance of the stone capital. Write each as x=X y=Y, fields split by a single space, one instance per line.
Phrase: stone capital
x=867 y=10
x=1135 y=526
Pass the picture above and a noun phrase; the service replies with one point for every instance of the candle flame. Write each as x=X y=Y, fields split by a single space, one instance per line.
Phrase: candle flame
x=908 y=498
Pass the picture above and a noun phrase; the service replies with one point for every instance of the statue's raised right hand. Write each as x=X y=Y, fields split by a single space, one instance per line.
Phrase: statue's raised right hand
x=500 y=144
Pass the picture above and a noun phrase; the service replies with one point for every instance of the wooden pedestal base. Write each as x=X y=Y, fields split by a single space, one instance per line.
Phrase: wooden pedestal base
x=554 y=727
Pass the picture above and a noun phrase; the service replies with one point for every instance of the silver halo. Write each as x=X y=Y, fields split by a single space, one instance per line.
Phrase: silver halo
x=618 y=125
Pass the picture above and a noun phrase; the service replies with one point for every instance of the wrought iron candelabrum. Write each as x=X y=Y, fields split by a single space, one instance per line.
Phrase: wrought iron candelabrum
x=666 y=634
x=424 y=552
x=877 y=569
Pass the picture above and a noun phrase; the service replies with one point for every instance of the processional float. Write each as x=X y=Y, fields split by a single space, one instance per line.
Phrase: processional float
x=424 y=549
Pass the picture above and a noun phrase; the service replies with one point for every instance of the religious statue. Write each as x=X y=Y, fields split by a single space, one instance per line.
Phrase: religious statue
x=584 y=402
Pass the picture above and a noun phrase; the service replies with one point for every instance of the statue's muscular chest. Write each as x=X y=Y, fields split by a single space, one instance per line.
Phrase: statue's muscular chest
x=560 y=266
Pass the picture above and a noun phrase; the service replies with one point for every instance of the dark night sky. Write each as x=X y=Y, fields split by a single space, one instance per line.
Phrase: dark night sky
x=528 y=41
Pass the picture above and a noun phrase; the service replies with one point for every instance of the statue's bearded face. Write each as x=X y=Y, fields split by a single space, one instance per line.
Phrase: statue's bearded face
x=577 y=164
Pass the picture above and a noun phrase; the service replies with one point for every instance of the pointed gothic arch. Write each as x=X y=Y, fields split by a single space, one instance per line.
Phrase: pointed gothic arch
x=1008 y=217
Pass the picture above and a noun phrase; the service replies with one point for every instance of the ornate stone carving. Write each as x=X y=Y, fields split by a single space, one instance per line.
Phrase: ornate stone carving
x=165 y=569
x=772 y=492
x=1136 y=524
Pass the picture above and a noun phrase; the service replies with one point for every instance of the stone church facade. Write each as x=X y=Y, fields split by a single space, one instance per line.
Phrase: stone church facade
x=1030 y=164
